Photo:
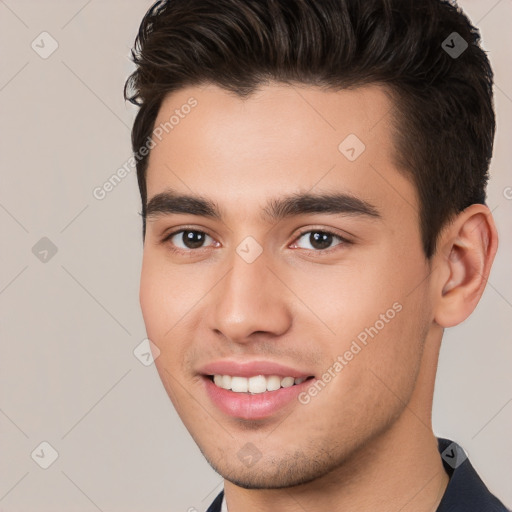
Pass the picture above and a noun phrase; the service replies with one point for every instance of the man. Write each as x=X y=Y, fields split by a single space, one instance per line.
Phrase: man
x=313 y=179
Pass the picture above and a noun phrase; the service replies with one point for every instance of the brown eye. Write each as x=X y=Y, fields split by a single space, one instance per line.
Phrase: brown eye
x=188 y=239
x=320 y=240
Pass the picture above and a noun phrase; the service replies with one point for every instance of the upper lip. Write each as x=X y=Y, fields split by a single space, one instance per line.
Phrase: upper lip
x=251 y=368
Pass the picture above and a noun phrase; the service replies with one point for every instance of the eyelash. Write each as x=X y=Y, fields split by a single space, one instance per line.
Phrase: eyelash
x=343 y=241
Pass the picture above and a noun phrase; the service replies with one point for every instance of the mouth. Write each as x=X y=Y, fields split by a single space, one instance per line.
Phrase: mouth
x=257 y=397
x=256 y=384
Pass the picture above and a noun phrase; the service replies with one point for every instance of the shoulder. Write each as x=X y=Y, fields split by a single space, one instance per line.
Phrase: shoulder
x=466 y=492
x=217 y=503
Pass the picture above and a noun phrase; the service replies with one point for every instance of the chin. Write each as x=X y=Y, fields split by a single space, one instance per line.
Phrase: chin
x=269 y=482
x=295 y=471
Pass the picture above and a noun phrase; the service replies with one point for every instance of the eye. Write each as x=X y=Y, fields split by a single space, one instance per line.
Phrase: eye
x=321 y=240
x=186 y=240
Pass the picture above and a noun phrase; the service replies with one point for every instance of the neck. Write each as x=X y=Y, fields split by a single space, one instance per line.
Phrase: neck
x=401 y=469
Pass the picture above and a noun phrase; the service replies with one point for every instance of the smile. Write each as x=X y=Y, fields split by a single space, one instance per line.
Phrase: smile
x=254 y=398
x=256 y=384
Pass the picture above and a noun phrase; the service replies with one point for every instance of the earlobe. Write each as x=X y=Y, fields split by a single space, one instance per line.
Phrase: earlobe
x=464 y=259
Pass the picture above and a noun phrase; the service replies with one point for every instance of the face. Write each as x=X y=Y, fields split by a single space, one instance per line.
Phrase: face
x=252 y=287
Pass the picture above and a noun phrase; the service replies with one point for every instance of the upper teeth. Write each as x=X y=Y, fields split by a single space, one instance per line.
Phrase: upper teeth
x=256 y=384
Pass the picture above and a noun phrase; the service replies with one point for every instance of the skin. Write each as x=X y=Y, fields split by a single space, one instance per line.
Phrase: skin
x=365 y=442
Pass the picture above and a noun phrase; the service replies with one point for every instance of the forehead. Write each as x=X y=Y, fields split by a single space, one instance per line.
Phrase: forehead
x=282 y=138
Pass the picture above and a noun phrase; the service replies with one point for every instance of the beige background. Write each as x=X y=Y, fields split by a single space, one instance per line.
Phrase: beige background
x=69 y=326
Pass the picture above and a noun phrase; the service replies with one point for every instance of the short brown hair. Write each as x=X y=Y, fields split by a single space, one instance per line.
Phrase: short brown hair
x=443 y=102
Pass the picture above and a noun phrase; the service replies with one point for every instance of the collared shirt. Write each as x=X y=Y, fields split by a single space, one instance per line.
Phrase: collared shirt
x=465 y=491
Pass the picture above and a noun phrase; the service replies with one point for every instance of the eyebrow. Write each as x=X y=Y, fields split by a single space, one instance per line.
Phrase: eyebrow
x=171 y=202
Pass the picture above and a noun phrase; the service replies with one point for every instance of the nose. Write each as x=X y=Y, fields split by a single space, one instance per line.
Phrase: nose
x=250 y=300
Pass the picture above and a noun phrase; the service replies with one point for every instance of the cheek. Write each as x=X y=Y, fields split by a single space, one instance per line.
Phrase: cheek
x=167 y=301
x=161 y=311
x=383 y=318
x=157 y=306
x=166 y=295
x=153 y=300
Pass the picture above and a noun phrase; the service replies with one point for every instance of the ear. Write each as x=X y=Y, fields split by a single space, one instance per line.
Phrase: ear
x=464 y=257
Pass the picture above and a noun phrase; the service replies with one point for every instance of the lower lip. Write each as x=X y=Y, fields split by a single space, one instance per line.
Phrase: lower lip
x=253 y=407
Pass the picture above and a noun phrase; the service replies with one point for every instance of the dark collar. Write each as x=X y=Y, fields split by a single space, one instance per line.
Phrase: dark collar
x=465 y=491
x=215 y=506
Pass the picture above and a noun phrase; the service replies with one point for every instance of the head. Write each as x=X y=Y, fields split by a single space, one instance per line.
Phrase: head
x=318 y=202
